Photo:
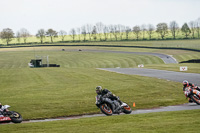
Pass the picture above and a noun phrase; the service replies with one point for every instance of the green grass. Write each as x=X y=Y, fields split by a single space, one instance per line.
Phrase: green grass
x=69 y=90
x=75 y=59
x=53 y=92
x=78 y=59
x=165 y=122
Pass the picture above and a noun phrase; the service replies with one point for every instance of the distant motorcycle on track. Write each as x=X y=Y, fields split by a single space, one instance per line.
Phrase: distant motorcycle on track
x=107 y=106
x=10 y=116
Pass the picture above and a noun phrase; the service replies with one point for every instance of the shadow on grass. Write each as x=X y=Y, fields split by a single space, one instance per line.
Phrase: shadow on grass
x=191 y=61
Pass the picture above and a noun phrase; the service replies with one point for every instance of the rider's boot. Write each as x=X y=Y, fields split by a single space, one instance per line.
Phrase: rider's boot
x=190 y=100
x=117 y=110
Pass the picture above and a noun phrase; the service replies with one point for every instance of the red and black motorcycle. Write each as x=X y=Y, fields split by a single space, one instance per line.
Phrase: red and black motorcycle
x=193 y=94
x=7 y=116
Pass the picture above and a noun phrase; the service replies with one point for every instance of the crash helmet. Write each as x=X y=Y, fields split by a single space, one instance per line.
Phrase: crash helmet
x=185 y=83
x=98 y=89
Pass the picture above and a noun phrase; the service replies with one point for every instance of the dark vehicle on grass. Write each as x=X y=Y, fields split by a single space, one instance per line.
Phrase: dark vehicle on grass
x=10 y=116
x=107 y=106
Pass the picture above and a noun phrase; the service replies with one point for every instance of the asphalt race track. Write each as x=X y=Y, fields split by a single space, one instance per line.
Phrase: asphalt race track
x=187 y=106
x=161 y=74
x=166 y=58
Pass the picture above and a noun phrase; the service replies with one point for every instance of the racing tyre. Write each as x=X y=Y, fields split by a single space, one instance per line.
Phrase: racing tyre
x=16 y=117
x=106 y=109
x=127 y=109
x=196 y=99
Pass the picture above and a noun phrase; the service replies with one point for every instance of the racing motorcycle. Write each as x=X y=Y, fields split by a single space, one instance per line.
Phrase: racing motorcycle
x=107 y=106
x=10 y=116
x=193 y=94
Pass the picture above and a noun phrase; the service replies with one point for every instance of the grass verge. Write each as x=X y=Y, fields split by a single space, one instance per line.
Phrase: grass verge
x=165 y=122
x=52 y=92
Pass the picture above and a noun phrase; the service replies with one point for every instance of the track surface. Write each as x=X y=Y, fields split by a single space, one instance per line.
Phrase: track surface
x=188 y=106
x=161 y=74
x=166 y=58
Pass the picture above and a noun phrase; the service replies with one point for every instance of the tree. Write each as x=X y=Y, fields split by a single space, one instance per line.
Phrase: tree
x=18 y=37
x=41 y=35
x=7 y=34
x=72 y=33
x=78 y=31
x=105 y=32
x=52 y=34
x=121 y=29
x=198 y=27
x=84 y=33
x=100 y=26
x=111 y=30
x=89 y=29
x=136 y=31
x=94 y=33
x=192 y=28
x=174 y=28
x=143 y=29
x=24 y=34
x=186 y=30
x=150 y=30
x=116 y=31
x=162 y=29
x=63 y=34
x=127 y=32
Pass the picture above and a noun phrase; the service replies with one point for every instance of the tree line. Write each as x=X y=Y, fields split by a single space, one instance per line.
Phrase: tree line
x=102 y=32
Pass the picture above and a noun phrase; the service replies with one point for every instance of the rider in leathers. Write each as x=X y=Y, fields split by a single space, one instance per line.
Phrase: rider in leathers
x=107 y=94
x=193 y=89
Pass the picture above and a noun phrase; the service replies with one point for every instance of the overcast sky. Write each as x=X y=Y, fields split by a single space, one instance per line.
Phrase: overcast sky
x=66 y=14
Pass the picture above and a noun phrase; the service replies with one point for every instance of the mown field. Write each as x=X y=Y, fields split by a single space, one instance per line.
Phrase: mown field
x=70 y=89
x=159 y=44
x=164 y=122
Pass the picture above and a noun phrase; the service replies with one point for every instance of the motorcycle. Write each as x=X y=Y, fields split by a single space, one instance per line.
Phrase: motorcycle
x=193 y=94
x=108 y=106
x=10 y=116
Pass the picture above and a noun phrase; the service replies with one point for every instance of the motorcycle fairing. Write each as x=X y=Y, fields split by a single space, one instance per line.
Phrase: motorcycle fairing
x=5 y=119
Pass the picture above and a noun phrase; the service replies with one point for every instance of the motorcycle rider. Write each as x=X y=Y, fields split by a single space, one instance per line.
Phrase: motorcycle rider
x=105 y=93
x=193 y=88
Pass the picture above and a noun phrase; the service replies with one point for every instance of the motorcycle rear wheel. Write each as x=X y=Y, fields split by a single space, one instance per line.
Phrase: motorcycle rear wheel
x=127 y=109
x=106 y=109
x=196 y=99
x=16 y=117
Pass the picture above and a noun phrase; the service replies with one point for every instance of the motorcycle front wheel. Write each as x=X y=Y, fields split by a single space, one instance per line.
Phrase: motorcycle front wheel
x=196 y=99
x=127 y=109
x=106 y=109
x=16 y=117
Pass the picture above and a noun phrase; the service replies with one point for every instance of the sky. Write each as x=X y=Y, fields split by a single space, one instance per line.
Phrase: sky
x=67 y=14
